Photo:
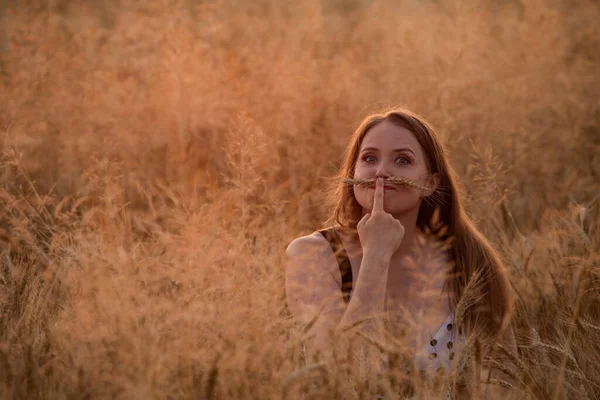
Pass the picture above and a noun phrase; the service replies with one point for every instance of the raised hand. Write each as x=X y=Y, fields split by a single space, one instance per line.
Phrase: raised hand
x=379 y=232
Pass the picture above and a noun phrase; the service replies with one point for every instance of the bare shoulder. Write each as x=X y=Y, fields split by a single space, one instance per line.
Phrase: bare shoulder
x=314 y=243
x=312 y=253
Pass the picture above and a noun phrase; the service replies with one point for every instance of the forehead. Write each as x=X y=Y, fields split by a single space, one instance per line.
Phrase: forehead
x=387 y=136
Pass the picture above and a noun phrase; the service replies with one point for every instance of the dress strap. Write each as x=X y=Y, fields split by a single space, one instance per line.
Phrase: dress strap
x=342 y=259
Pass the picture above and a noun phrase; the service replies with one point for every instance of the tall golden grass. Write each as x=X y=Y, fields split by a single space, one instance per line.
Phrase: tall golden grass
x=157 y=158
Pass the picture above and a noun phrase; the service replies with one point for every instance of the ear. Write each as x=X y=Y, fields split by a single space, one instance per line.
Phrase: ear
x=434 y=181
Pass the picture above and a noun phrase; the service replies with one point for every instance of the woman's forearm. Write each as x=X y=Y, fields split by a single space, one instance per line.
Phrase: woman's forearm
x=366 y=306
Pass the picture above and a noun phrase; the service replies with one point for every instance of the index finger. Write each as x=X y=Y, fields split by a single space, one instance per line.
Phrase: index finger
x=378 y=198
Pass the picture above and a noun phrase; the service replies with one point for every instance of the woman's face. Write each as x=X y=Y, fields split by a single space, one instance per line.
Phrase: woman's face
x=389 y=150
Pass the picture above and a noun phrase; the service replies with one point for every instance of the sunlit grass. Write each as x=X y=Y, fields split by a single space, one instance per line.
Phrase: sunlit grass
x=158 y=158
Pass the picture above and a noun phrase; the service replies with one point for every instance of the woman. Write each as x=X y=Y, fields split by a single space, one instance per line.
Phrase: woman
x=398 y=250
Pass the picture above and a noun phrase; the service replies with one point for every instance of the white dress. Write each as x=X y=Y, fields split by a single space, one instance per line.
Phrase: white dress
x=442 y=350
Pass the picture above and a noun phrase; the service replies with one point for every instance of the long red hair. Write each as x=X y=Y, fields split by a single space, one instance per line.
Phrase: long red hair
x=487 y=304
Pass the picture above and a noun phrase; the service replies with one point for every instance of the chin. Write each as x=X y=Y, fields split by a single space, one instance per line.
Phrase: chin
x=397 y=207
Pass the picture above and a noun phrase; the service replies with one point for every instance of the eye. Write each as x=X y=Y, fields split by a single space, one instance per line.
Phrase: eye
x=404 y=160
x=369 y=157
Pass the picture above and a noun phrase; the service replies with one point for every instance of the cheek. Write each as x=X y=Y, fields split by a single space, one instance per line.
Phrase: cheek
x=409 y=171
x=357 y=172
x=363 y=171
x=361 y=194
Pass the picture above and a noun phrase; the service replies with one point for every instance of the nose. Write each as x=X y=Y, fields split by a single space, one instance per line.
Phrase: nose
x=382 y=171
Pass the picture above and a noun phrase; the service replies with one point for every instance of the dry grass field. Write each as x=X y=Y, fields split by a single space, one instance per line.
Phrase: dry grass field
x=157 y=157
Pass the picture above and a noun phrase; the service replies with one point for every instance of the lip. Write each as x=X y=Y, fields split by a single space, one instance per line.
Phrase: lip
x=385 y=187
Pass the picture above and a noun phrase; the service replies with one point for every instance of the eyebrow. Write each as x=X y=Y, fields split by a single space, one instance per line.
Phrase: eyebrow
x=394 y=150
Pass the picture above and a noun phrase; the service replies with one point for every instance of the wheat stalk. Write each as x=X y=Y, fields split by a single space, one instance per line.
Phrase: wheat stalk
x=470 y=296
x=395 y=180
x=500 y=382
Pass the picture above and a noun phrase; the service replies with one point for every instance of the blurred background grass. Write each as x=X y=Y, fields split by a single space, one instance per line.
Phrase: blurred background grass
x=158 y=156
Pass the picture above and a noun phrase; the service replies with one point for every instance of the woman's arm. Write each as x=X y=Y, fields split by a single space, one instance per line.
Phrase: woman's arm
x=368 y=297
x=312 y=286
